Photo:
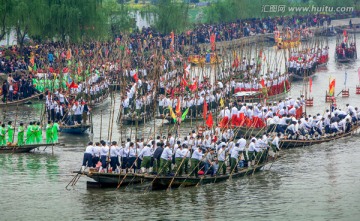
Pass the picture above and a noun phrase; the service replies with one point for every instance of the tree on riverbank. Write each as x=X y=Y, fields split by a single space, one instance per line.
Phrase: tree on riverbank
x=47 y=19
x=118 y=16
x=231 y=10
x=6 y=8
x=171 y=15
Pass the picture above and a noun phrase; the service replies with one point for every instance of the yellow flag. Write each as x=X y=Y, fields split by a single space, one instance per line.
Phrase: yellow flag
x=221 y=102
x=172 y=114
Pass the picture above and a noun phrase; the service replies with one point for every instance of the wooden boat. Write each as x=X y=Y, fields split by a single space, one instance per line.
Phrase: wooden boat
x=328 y=32
x=23 y=149
x=296 y=77
x=135 y=120
x=257 y=96
x=102 y=99
x=201 y=59
x=74 y=129
x=343 y=60
x=170 y=120
x=248 y=132
x=286 y=143
x=111 y=179
x=23 y=101
x=285 y=44
x=348 y=29
x=163 y=182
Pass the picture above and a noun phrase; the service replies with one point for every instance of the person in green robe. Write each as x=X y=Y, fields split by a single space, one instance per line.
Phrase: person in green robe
x=10 y=132
x=20 y=141
x=2 y=135
x=30 y=133
x=55 y=129
x=49 y=133
x=38 y=133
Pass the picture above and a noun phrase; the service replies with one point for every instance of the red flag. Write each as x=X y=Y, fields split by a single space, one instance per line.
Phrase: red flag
x=236 y=62
x=209 y=121
x=73 y=85
x=193 y=86
x=172 y=42
x=183 y=82
x=178 y=108
x=310 y=84
x=205 y=109
x=344 y=32
x=136 y=77
x=212 y=41
x=262 y=82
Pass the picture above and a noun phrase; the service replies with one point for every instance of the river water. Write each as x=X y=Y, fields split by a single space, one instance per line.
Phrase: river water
x=312 y=183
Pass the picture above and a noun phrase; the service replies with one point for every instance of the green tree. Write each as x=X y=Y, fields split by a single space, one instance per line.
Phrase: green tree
x=6 y=7
x=171 y=15
x=76 y=19
x=26 y=19
x=118 y=17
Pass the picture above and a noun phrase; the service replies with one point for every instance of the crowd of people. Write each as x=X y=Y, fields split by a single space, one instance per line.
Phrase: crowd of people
x=17 y=87
x=28 y=134
x=305 y=62
x=216 y=151
x=193 y=155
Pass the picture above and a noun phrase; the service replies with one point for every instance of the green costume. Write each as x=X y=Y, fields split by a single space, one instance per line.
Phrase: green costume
x=30 y=134
x=49 y=134
x=179 y=165
x=38 y=134
x=222 y=166
x=2 y=136
x=55 y=129
x=194 y=167
x=10 y=133
x=146 y=162
x=164 y=166
x=20 y=141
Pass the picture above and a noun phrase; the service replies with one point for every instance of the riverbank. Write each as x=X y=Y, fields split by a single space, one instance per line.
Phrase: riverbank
x=338 y=23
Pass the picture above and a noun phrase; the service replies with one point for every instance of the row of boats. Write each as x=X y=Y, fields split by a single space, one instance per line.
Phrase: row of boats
x=161 y=182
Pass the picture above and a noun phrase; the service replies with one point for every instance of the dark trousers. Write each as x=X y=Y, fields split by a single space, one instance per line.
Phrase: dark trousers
x=131 y=163
x=113 y=162
x=124 y=161
x=87 y=160
x=78 y=118
x=95 y=160
x=327 y=129
x=103 y=161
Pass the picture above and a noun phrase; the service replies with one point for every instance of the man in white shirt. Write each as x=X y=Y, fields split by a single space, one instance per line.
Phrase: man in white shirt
x=195 y=161
x=146 y=154
x=165 y=161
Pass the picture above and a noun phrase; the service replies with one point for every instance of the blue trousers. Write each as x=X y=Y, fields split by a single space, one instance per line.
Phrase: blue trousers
x=95 y=160
x=87 y=160
x=103 y=161
x=114 y=162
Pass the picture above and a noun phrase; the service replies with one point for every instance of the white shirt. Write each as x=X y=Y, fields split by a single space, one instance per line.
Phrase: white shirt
x=166 y=154
x=89 y=149
x=197 y=155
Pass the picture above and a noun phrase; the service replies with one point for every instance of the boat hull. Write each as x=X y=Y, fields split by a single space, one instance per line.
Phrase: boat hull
x=302 y=143
x=79 y=129
x=162 y=183
x=113 y=179
x=23 y=101
x=23 y=149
